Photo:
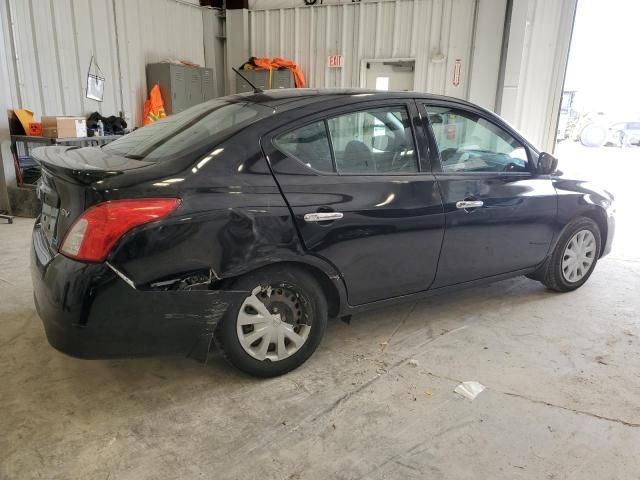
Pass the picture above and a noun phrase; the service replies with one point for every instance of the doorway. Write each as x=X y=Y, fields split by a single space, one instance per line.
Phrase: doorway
x=388 y=74
x=598 y=135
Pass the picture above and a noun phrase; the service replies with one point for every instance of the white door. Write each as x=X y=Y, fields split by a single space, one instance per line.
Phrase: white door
x=389 y=75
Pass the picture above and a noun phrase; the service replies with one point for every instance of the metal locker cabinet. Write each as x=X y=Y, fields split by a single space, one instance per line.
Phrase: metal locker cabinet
x=260 y=78
x=160 y=74
x=171 y=80
x=194 y=86
x=179 y=97
x=207 y=84
x=181 y=86
x=282 y=79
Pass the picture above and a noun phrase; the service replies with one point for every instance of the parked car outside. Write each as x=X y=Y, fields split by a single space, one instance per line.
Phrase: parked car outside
x=568 y=116
x=624 y=134
x=246 y=221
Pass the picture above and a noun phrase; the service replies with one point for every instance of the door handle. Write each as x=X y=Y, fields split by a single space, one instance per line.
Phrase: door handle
x=322 y=217
x=466 y=204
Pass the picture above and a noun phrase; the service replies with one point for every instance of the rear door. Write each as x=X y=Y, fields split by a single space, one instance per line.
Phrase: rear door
x=360 y=196
x=499 y=214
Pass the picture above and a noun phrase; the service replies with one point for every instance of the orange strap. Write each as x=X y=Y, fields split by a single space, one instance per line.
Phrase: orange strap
x=279 y=62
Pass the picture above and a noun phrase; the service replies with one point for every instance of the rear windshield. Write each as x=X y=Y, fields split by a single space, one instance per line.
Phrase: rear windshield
x=187 y=131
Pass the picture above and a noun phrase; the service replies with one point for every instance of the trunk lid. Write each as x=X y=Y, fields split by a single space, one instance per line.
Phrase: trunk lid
x=84 y=165
x=69 y=175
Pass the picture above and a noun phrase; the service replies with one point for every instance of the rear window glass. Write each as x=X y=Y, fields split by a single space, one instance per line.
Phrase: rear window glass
x=310 y=145
x=188 y=131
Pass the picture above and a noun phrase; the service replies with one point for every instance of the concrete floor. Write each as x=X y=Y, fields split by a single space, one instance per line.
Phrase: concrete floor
x=562 y=401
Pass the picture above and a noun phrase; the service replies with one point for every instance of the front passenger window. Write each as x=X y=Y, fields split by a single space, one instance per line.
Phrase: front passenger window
x=470 y=143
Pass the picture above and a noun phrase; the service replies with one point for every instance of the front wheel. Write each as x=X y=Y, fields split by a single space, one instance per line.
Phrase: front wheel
x=277 y=326
x=574 y=257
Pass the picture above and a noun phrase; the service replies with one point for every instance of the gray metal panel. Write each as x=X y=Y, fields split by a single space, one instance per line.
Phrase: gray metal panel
x=207 y=84
x=214 y=48
x=179 y=89
x=539 y=38
x=194 y=86
x=260 y=78
x=282 y=79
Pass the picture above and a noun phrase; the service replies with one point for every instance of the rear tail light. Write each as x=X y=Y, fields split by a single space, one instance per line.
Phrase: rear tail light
x=96 y=231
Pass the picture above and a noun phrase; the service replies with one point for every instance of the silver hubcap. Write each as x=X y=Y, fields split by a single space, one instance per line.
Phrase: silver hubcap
x=579 y=255
x=272 y=323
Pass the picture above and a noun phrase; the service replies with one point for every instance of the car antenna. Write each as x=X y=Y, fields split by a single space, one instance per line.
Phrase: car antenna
x=255 y=89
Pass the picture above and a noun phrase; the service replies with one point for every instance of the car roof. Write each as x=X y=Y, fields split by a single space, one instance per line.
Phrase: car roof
x=288 y=98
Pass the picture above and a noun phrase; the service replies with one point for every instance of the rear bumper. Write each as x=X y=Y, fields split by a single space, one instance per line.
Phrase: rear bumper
x=90 y=312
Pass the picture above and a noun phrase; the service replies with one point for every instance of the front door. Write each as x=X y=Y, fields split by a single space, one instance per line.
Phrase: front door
x=499 y=214
x=353 y=181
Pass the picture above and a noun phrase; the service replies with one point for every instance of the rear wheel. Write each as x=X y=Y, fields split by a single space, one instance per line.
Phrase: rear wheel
x=277 y=326
x=574 y=258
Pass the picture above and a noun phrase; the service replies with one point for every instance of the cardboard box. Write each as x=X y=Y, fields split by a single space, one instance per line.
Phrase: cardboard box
x=64 y=127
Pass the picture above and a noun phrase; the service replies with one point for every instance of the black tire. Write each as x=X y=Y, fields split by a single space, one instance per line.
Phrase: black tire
x=551 y=274
x=293 y=279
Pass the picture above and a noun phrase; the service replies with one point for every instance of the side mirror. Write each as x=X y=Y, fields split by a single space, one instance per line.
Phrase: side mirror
x=547 y=163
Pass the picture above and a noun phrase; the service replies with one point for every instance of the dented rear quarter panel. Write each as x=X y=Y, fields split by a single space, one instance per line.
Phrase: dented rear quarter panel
x=232 y=220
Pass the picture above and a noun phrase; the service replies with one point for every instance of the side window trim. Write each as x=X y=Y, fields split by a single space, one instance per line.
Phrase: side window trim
x=360 y=107
x=432 y=139
x=333 y=153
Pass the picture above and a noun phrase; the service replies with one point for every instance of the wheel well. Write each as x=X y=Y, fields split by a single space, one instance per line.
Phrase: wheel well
x=330 y=291
x=598 y=216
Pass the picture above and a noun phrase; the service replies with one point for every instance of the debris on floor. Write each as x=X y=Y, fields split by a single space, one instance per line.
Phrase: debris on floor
x=470 y=389
x=413 y=362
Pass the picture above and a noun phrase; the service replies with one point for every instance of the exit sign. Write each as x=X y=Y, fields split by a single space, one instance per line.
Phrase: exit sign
x=335 y=61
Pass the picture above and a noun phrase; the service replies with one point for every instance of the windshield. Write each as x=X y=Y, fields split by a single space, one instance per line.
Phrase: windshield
x=187 y=131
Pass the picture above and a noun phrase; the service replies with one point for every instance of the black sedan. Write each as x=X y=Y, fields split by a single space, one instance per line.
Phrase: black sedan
x=246 y=221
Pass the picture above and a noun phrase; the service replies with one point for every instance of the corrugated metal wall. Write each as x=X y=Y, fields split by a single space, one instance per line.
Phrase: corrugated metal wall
x=52 y=43
x=401 y=29
x=150 y=31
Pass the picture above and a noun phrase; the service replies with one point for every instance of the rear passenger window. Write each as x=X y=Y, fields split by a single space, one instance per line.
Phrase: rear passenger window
x=373 y=141
x=365 y=142
x=308 y=144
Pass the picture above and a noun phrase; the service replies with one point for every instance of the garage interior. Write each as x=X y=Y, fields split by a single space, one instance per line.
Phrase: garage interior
x=377 y=400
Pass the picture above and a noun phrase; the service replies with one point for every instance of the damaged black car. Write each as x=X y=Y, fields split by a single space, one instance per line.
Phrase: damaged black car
x=245 y=222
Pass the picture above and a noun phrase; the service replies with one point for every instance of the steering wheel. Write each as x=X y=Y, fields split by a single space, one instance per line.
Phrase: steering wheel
x=397 y=164
x=448 y=154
